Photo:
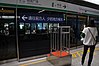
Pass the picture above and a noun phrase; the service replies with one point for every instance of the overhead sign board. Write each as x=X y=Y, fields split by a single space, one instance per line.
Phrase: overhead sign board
x=27 y=17
x=44 y=3
x=54 y=4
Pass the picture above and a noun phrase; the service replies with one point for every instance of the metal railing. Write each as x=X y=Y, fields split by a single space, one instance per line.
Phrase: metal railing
x=60 y=38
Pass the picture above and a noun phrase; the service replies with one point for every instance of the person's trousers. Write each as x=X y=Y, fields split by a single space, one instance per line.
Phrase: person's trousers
x=92 y=48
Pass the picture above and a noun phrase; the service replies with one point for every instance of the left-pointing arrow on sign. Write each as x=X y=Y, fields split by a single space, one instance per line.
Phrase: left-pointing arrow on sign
x=24 y=17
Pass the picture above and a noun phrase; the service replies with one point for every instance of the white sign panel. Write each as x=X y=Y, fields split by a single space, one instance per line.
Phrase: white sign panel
x=44 y=3
x=53 y=4
x=82 y=9
x=8 y=1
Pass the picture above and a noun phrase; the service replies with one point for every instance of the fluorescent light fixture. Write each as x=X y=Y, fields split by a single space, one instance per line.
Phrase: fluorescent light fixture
x=8 y=17
x=93 y=1
x=41 y=11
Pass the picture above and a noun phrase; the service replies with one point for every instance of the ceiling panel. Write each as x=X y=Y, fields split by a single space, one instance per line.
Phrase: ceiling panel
x=82 y=3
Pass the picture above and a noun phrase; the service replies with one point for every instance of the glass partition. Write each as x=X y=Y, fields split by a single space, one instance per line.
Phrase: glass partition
x=72 y=22
x=33 y=31
x=82 y=22
x=7 y=33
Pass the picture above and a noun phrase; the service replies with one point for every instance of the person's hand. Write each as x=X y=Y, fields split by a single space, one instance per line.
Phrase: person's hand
x=83 y=35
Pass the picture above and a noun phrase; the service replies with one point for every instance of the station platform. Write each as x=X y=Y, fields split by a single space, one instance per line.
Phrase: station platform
x=76 y=58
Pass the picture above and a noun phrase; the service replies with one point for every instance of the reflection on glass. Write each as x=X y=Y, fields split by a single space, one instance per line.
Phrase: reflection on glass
x=56 y=25
x=33 y=28
x=6 y=29
x=45 y=26
x=27 y=28
x=82 y=24
x=11 y=25
x=1 y=28
x=21 y=27
x=11 y=28
x=39 y=26
x=50 y=25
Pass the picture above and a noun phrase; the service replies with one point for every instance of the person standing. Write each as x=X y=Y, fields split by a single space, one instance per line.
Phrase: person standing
x=89 y=40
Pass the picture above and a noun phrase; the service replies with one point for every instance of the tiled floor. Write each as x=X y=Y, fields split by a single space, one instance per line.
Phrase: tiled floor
x=75 y=60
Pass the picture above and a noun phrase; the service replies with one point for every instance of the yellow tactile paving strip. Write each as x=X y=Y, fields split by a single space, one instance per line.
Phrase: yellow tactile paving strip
x=80 y=52
x=74 y=55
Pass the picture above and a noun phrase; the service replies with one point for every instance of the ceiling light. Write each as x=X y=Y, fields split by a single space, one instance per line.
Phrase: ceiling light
x=41 y=11
x=2 y=9
x=93 y=1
